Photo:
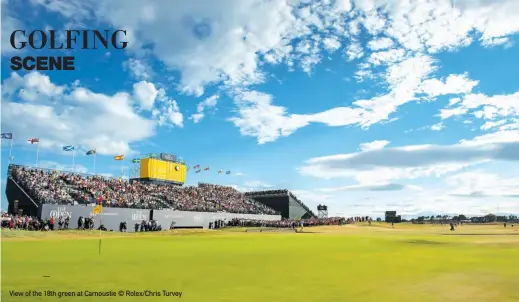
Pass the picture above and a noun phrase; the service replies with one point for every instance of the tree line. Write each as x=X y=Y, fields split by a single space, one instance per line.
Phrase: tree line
x=462 y=218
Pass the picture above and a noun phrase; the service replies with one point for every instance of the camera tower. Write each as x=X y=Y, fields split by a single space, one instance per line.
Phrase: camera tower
x=322 y=211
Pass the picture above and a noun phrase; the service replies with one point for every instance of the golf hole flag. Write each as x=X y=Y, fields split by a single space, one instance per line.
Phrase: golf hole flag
x=98 y=209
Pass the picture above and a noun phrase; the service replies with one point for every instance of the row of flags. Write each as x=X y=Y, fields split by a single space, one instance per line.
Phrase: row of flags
x=198 y=170
x=69 y=148
x=72 y=148
x=90 y=152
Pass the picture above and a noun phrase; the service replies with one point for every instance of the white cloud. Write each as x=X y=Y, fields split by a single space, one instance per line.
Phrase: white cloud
x=437 y=127
x=484 y=107
x=454 y=84
x=146 y=93
x=480 y=184
x=9 y=24
x=497 y=41
x=214 y=43
x=257 y=116
x=380 y=44
x=489 y=125
x=374 y=145
x=410 y=162
x=386 y=57
x=366 y=187
x=257 y=184
x=253 y=185
x=354 y=51
x=208 y=103
x=74 y=115
x=226 y=44
x=31 y=87
x=138 y=69
x=167 y=111
x=77 y=168
x=331 y=44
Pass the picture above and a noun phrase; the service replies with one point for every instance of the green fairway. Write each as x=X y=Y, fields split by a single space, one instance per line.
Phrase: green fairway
x=348 y=263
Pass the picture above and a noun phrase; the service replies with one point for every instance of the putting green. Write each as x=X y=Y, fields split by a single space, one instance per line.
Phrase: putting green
x=348 y=263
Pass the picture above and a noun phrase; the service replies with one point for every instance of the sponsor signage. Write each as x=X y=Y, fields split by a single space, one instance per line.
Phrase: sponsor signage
x=168 y=157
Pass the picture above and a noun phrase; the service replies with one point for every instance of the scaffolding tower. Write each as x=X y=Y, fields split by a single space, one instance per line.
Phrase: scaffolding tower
x=322 y=211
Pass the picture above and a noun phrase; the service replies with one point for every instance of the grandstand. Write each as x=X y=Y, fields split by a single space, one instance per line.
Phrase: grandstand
x=284 y=202
x=33 y=190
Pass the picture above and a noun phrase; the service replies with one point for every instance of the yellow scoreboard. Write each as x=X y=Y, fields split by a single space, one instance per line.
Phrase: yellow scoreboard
x=163 y=170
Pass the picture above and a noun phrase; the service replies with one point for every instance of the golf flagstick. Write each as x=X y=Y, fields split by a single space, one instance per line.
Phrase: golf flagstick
x=100 y=231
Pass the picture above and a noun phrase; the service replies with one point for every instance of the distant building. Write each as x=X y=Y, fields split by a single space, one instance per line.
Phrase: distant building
x=391 y=216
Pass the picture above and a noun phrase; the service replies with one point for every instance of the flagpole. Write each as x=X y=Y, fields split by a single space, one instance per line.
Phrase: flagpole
x=73 y=159
x=11 y=149
x=100 y=232
x=37 y=153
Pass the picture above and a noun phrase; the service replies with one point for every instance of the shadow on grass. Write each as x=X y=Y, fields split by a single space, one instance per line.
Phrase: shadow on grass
x=309 y=232
x=427 y=242
x=481 y=234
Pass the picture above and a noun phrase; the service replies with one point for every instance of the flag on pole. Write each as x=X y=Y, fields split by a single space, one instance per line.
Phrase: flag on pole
x=7 y=135
x=98 y=209
x=206 y=169
x=228 y=172
x=196 y=167
x=94 y=153
x=119 y=157
x=32 y=141
x=71 y=148
x=136 y=160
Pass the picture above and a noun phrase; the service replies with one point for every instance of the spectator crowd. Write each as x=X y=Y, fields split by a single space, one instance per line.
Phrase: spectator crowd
x=293 y=223
x=29 y=223
x=54 y=187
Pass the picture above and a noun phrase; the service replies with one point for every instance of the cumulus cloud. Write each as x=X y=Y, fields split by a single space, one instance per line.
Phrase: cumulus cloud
x=454 y=84
x=415 y=161
x=479 y=184
x=138 y=69
x=167 y=111
x=64 y=115
x=146 y=93
x=483 y=106
x=370 y=187
x=374 y=145
x=381 y=43
x=208 y=103
x=230 y=44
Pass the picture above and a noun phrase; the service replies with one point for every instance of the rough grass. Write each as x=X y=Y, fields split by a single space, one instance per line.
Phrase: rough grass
x=348 y=263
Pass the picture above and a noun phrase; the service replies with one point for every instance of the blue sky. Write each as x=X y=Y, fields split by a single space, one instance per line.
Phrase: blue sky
x=362 y=105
